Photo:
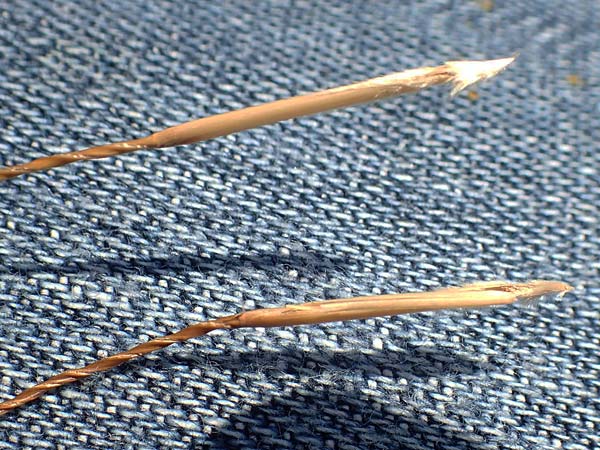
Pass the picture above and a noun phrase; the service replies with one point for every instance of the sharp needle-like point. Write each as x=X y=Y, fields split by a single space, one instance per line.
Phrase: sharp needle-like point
x=524 y=292
x=467 y=73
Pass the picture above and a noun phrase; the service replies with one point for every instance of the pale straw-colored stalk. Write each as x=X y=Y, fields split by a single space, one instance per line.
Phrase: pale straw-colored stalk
x=470 y=296
x=459 y=74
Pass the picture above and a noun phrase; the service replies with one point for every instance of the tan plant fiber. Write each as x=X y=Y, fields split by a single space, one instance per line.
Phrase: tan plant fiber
x=469 y=296
x=460 y=74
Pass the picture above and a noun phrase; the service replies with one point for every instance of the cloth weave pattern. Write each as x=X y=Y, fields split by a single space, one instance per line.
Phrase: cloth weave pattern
x=404 y=195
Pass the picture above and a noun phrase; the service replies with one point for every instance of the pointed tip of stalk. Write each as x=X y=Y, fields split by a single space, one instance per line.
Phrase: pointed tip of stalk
x=537 y=289
x=467 y=73
x=528 y=292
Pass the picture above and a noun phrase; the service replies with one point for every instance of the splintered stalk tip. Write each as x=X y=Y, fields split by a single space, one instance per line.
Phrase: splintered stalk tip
x=467 y=73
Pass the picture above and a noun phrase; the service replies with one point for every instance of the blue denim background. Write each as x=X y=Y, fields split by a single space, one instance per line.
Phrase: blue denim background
x=409 y=194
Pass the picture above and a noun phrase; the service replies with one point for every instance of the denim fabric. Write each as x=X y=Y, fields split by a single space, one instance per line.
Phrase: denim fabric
x=404 y=195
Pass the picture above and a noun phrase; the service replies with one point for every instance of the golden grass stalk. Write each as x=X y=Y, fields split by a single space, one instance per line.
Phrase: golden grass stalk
x=470 y=296
x=460 y=74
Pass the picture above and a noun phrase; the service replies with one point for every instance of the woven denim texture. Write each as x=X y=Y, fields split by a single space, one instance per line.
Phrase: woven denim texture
x=404 y=195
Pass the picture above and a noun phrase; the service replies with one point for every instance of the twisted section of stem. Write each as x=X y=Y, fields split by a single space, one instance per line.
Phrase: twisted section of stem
x=72 y=375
